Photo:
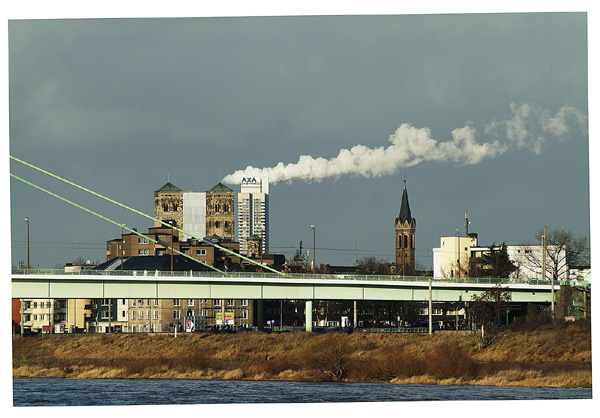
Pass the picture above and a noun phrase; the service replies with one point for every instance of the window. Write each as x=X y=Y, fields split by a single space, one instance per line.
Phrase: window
x=104 y=314
x=244 y=313
x=190 y=302
x=244 y=302
x=217 y=302
x=105 y=302
x=176 y=302
x=176 y=315
x=133 y=316
x=42 y=305
x=201 y=252
x=35 y=317
x=437 y=311
x=133 y=302
x=141 y=302
x=155 y=302
x=142 y=240
x=155 y=315
x=148 y=314
x=230 y=302
x=141 y=315
x=35 y=305
x=147 y=302
x=144 y=251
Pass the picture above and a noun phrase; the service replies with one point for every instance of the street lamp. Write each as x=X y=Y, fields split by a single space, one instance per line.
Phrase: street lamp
x=121 y=249
x=27 y=220
x=314 y=250
x=458 y=250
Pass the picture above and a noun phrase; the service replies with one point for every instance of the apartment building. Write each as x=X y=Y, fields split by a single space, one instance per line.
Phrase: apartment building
x=253 y=212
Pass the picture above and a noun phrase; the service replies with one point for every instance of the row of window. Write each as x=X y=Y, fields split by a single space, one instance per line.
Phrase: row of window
x=42 y=305
x=177 y=302
x=406 y=241
x=177 y=314
x=224 y=207
x=45 y=317
x=218 y=224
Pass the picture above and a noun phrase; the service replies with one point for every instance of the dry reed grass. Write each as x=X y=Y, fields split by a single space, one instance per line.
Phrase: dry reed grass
x=550 y=357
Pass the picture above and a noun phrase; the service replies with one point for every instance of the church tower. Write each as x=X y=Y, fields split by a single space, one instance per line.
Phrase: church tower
x=168 y=205
x=405 y=238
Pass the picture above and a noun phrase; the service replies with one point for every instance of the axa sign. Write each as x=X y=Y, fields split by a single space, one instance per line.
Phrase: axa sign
x=249 y=180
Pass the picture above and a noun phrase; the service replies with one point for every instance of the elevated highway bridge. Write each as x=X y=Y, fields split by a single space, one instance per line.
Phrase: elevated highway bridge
x=56 y=284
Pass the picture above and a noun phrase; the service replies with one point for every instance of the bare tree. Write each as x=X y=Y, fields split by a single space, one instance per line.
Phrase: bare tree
x=563 y=249
x=372 y=265
x=489 y=307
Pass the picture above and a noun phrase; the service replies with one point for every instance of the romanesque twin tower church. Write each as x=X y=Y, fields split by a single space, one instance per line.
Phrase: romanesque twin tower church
x=405 y=238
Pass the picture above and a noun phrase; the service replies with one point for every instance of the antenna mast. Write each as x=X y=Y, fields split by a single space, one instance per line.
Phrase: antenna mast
x=467 y=224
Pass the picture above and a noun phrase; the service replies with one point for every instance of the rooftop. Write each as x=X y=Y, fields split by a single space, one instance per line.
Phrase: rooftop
x=220 y=188
x=169 y=187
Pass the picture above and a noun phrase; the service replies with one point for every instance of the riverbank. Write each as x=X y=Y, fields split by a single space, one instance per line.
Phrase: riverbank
x=551 y=356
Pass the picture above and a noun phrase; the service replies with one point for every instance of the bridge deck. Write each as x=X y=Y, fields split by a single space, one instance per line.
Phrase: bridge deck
x=205 y=285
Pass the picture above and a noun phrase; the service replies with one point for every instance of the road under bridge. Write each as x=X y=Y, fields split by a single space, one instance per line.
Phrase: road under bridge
x=38 y=284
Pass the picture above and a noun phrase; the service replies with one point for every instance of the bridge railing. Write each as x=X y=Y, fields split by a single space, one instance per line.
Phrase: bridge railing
x=259 y=275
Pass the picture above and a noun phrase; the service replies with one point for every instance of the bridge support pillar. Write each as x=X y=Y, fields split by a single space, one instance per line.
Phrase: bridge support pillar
x=260 y=314
x=308 y=315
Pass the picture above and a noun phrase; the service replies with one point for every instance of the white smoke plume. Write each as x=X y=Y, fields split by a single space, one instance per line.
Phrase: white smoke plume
x=528 y=128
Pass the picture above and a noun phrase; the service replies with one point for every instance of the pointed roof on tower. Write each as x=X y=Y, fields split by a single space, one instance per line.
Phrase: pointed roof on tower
x=168 y=187
x=404 y=206
x=220 y=188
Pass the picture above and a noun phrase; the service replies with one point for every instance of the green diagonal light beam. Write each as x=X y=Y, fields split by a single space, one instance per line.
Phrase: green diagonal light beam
x=143 y=214
x=111 y=221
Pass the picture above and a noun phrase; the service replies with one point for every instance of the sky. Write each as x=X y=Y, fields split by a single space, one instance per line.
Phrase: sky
x=479 y=113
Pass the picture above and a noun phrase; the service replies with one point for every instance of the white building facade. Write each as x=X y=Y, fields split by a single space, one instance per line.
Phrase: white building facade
x=194 y=214
x=453 y=252
x=528 y=259
x=253 y=212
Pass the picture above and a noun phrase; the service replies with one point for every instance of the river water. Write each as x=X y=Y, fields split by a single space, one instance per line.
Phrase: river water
x=89 y=392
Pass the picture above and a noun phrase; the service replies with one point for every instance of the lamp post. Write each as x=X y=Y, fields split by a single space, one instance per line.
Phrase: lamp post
x=458 y=250
x=27 y=220
x=121 y=249
x=314 y=249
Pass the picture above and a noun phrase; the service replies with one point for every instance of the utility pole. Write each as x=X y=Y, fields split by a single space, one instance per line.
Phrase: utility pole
x=458 y=250
x=429 y=311
x=121 y=249
x=544 y=271
x=27 y=220
x=314 y=251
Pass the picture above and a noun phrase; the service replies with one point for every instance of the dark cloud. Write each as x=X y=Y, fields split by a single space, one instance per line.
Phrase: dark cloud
x=119 y=104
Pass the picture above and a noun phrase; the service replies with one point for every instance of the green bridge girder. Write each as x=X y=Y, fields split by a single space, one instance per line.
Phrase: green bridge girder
x=72 y=286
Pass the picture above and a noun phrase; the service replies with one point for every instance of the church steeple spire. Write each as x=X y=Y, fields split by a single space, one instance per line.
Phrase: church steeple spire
x=405 y=237
x=404 y=206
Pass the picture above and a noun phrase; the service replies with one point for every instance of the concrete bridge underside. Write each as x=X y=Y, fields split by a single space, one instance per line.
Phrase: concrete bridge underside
x=260 y=289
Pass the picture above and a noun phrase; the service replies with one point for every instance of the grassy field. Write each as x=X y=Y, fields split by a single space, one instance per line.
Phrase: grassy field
x=550 y=356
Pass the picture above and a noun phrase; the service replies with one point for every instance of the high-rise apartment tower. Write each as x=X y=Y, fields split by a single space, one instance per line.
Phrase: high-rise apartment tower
x=253 y=212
